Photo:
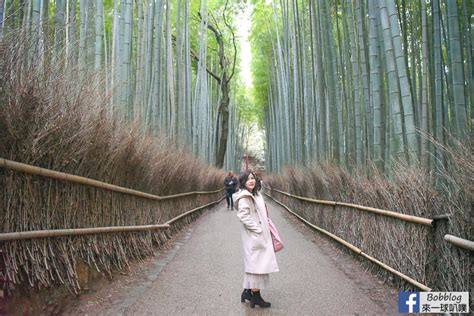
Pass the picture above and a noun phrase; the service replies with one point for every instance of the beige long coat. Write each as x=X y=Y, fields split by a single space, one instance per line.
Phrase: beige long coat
x=259 y=256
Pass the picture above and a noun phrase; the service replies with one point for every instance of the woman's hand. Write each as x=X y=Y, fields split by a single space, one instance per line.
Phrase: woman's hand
x=243 y=213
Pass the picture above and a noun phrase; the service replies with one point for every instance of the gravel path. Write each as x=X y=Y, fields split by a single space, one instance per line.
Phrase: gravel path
x=201 y=274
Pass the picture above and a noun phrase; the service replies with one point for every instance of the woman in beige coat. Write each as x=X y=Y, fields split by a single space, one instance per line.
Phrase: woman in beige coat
x=259 y=256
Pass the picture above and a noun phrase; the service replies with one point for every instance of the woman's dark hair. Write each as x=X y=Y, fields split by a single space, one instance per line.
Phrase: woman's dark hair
x=243 y=177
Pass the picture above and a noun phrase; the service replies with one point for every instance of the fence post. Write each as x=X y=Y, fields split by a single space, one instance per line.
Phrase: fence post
x=435 y=242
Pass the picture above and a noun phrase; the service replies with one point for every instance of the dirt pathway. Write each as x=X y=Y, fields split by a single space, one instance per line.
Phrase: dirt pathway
x=201 y=274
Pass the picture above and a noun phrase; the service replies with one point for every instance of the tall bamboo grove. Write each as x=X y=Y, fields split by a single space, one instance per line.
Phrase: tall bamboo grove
x=365 y=81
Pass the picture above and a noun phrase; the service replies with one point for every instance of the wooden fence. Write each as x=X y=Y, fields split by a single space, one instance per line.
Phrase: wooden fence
x=459 y=242
x=33 y=170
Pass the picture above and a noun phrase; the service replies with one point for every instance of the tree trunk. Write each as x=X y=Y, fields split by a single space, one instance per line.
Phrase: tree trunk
x=98 y=34
x=405 y=89
x=438 y=100
x=2 y=16
x=424 y=86
x=376 y=101
x=398 y=144
x=457 y=70
x=224 y=114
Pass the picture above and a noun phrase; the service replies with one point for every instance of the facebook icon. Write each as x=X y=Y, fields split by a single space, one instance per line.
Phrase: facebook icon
x=408 y=302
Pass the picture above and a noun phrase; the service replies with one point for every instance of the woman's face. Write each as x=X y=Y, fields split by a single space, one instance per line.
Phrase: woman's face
x=250 y=184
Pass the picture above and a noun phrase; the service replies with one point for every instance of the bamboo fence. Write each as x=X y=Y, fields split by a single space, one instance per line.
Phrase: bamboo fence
x=97 y=230
x=33 y=170
x=356 y=249
x=36 y=258
x=457 y=241
x=404 y=217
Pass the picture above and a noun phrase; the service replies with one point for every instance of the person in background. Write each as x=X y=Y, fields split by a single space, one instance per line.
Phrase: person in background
x=259 y=255
x=230 y=183
x=259 y=181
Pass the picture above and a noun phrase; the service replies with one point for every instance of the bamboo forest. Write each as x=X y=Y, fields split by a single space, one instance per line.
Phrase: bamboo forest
x=350 y=82
x=366 y=102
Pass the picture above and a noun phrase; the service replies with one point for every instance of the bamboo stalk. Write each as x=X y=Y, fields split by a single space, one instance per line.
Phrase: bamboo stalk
x=404 y=217
x=25 y=168
x=460 y=242
x=356 y=249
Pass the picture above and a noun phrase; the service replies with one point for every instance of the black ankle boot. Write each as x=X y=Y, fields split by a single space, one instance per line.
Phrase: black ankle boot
x=246 y=295
x=258 y=300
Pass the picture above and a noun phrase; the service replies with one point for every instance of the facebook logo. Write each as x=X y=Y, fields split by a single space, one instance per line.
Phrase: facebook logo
x=408 y=302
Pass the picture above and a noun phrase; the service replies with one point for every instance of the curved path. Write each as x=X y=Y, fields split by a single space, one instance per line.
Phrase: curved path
x=201 y=274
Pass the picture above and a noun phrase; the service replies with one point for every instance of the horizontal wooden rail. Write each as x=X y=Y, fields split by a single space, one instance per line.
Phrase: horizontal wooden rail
x=76 y=231
x=404 y=217
x=356 y=249
x=460 y=242
x=171 y=221
x=94 y=230
x=25 y=168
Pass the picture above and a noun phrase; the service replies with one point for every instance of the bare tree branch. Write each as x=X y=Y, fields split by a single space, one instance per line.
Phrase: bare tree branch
x=196 y=58
x=233 y=41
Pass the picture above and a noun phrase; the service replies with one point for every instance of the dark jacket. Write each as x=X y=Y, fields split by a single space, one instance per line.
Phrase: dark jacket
x=230 y=183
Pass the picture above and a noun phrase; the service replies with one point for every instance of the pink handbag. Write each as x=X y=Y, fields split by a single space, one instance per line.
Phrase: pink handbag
x=276 y=239
x=277 y=243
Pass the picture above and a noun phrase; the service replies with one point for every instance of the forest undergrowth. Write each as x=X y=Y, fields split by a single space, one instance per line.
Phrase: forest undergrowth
x=51 y=118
